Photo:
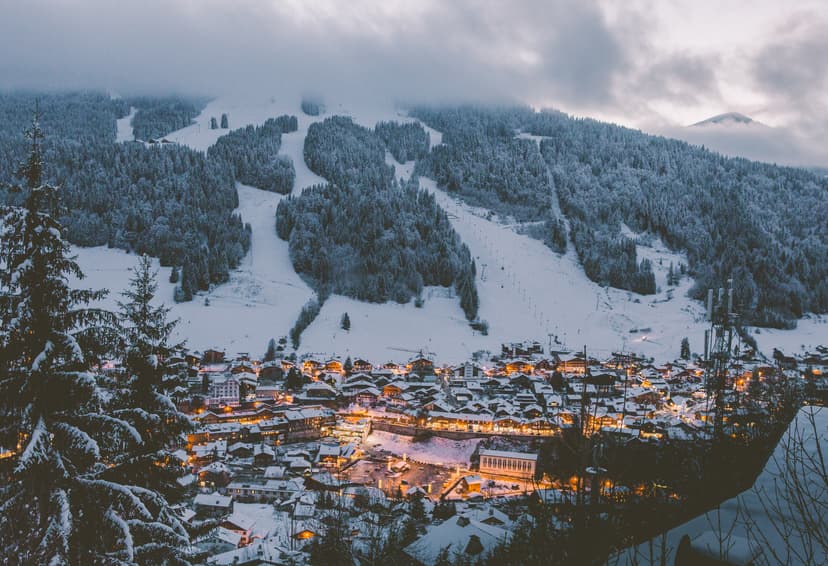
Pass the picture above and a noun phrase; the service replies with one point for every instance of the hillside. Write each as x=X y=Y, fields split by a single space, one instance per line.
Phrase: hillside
x=534 y=280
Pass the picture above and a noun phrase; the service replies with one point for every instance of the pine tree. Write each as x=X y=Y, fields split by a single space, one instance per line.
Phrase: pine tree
x=54 y=506
x=294 y=380
x=224 y=124
x=348 y=366
x=174 y=275
x=345 y=322
x=184 y=292
x=144 y=401
x=685 y=348
x=213 y=123
x=270 y=354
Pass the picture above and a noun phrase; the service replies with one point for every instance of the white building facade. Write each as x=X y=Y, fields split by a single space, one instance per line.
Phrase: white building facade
x=499 y=462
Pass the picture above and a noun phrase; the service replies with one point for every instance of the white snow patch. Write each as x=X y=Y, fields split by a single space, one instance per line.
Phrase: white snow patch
x=810 y=331
x=435 y=450
x=125 y=127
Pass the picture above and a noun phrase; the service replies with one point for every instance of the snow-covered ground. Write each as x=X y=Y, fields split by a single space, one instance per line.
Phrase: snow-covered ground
x=435 y=450
x=261 y=300
x=125 y=127
x=526 y=290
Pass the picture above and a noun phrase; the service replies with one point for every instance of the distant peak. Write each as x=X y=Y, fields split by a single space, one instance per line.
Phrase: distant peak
x=727 y=118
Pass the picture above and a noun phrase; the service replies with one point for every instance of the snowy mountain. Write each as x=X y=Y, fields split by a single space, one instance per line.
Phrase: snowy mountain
x=727 y=118
x=737 y=135
x=526 y=290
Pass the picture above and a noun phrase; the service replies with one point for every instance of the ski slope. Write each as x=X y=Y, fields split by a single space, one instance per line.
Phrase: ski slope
x=526 y=290
x=124 y=127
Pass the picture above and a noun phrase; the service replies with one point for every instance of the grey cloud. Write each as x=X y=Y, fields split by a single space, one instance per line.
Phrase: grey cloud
x=793 y=70
x=562 y=50
x=682 y=78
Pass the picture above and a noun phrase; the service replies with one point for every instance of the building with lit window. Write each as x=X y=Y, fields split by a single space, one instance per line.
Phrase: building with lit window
x=499 y=462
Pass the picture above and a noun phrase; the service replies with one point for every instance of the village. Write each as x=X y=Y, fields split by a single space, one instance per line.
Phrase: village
x=287 y=449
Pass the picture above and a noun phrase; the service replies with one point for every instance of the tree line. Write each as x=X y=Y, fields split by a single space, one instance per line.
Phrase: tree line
x=170 y=202
x=156 y=117
x=252 y=154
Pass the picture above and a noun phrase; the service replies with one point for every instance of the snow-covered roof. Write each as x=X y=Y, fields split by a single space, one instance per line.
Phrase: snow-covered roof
x=213 y=500
x=266 y=551
x=455 y=534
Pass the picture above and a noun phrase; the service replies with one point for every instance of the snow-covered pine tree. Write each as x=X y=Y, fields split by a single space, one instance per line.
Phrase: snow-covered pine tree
x=54 y=506
x=270 y=354
x=143 y=400
x=685 y=349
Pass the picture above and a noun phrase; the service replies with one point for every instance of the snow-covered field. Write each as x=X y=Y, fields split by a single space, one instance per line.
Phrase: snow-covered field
x=526 y=290
x=435 y=450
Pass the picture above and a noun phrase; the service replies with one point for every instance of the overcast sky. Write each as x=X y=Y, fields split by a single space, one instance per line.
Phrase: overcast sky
x=645 y=63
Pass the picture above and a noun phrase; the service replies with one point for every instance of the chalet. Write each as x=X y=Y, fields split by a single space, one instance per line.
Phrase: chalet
x=328 y=455
x=320 y=390
x=532 y=412
x=507 y=423
x=603 y=383
x=516 y=349
x=390 y=367
x=269 y=391
x=258 y=552
x=573 y=365
x=547 y=365
x=308 y=423
x=212 y=356
x=368 y=396
x=333 y=365
x=362 y=366
x=270 y=490
x=263 y=455
x=241 y=524
x=510 y=367
x=461 y=394
x=471 y=484
x=240 y=450
x=525 y=399
x=468 y=370
x=216 y=474
x=421 y=365
x=271 y=371
x=394 y=389
x=311 y=366
x=242 y=366
x=464 y=538
x=212 y=505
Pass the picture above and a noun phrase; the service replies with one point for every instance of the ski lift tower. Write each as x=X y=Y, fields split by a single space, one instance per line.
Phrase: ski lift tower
x=718 y=345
